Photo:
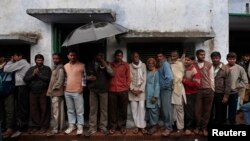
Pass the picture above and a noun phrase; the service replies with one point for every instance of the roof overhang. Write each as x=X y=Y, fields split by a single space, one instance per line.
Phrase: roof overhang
x=239 y=21
x=133 y=36
x=72 y=15
x=12 y=39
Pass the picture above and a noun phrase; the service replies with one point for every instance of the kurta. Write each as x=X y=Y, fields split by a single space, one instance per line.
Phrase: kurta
x=152 y=89
x=134 y=82
x=178 y=88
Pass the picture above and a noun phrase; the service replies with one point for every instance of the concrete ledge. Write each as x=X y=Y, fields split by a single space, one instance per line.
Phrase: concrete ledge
x=7 y=39
x=166 y=36
x=72 y=15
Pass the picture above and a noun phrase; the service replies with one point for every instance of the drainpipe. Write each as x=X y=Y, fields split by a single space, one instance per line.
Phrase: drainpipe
x=247 y=8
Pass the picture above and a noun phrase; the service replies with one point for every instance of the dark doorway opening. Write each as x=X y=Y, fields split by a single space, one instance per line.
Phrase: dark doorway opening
x=8 y=50
x=147 y=50
x=239 y=42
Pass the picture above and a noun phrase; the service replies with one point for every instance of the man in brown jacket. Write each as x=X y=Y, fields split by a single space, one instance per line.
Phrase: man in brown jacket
x=55 y=91
x=222 y=79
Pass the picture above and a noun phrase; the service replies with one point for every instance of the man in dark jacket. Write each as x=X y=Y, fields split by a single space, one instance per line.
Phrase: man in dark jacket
x=38 y=77
x=99 y=74
x=222 y=83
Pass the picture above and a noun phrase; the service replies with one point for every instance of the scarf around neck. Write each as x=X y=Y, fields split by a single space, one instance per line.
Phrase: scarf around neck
x=139 y=79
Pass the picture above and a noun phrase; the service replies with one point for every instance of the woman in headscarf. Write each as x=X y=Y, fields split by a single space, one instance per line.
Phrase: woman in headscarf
x=152 y=96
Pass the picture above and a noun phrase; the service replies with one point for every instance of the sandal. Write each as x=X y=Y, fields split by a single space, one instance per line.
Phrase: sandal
x=123 y=131
x=144 y=131
x=111 y=131
x=105 y=132
x=135 y=131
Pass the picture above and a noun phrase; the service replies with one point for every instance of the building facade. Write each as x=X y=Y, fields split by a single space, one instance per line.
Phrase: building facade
x=154 y=25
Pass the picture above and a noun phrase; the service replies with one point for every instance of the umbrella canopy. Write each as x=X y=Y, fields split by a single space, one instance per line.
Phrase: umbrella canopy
x=93 y=32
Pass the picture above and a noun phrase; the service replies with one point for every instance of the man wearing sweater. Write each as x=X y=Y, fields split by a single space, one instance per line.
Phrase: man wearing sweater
x=191 y=82
x=74 y=86
x=205 y=95
x=238 y=80
x=20 y=66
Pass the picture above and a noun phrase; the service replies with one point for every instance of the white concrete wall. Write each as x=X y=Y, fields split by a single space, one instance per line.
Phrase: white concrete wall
x=238 y=6
x=140 y=15
x=220 y=26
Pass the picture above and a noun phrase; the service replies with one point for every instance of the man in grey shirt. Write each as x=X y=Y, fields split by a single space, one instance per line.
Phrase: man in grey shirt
x=20 y=66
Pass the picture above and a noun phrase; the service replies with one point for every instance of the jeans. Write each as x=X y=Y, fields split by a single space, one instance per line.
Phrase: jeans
x=75 y=109
x=166 y=106
x=246 y=112
x=232 y=107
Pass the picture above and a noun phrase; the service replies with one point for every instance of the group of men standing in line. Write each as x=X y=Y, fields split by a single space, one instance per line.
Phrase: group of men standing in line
x=180 y=91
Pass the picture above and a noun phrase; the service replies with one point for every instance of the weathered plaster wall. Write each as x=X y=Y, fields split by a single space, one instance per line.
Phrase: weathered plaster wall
x=220 y=26
x=140 y=15
x=238 y=6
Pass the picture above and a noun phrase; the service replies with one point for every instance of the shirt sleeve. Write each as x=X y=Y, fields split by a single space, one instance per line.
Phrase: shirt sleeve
x=128 y=77
x=228 y=83
x=60 y=80
x=244 y=76
x=11 y=66
x=248 y=71
x=194 y=82
x=168 y=75
x=109 y=70
x=144 y=72
x=156 y=85
x=84 y=76
x=211 y=76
